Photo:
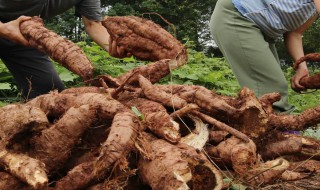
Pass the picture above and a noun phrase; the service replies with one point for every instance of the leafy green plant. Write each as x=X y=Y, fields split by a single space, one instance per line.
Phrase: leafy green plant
x=213 y=73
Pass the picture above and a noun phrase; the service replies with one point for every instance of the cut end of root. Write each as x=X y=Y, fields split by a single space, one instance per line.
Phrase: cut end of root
x=203 y=178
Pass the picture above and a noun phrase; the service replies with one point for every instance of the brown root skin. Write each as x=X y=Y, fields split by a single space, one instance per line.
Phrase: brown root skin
x=277 y=144
x=144 y=39
x=124 y=130
x=77 y=178
x=216 y=137
x=25 y=168
x=54 y=145
x=84 y=89
x=118 y=178
x=172 y=100
x=292 y=175
x=268 y=99
x=302 y=121
x=309 y=57
x=254 y=119
x=310 y=82
x=308 y=183
x=267 y=173
x=306 y=166
x=19 y=118
x=59 y=49
x=157 y=119
x=222 y=126
x=240 y=155
x=55 y=104
x=155 y=94
x=178 y=167
x=121 y=140
x=206 y=99
x=9 y=182
x=152 y=71
x=189 y=108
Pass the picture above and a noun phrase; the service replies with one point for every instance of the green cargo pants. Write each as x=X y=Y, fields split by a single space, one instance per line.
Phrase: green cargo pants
x=252 y=58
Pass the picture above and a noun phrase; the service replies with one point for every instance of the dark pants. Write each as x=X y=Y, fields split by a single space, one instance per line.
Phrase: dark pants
x=32 y=70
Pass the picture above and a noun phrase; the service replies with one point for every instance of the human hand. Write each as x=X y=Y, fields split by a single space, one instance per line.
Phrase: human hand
x=11 y=30
x=117 y=51
x=301 y=72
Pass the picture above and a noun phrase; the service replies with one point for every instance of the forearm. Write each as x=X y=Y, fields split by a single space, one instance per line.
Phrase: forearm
x=2 y=30
x=294 y=46
x=97 y=32
x=293 y=40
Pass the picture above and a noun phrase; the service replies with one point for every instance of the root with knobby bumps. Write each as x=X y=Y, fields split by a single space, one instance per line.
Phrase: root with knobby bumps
x=58 y=48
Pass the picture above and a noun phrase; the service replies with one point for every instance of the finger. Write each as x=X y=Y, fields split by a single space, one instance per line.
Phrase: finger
x=298 y=84
x=298 y=88
x=112 y=48
x=23 y=18
x=294 y=86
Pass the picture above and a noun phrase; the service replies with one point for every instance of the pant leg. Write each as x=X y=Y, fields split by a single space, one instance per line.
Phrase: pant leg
x=32 y=70
x=253 y=60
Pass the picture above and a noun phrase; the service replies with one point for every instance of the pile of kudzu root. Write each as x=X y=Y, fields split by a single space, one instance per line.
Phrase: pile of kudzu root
x=130 y=133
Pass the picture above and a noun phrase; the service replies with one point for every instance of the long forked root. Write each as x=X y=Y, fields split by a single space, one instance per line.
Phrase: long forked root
x=177 y=102
x=302 y=121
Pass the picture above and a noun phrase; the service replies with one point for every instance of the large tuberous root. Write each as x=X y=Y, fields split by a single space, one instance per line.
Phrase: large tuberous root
x=54 y=145
x=144 y=39
x=59 y=49
x=25 y=168
x=9 y=182
x=178 y=167
x=240 y=155
x=157 y=119
x=17 y=119
x=120 y=142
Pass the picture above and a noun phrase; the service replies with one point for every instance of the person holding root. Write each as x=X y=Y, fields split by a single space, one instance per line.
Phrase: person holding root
x=245 y=32
x=33 y=70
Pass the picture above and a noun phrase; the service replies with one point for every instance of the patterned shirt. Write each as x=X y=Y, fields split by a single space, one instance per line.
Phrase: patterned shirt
x=275 y=17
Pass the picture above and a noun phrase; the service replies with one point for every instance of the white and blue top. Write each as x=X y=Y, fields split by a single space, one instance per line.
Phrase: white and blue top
x=275 y=17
